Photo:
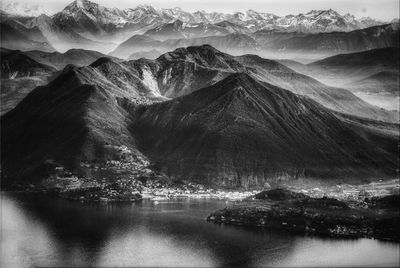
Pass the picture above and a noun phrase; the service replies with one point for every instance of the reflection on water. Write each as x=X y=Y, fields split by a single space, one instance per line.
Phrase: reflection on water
x=44 y=231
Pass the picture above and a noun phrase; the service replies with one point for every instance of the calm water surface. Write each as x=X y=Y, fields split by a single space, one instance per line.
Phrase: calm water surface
x=45 y=231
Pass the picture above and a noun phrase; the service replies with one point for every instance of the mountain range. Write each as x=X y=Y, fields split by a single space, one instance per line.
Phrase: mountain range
x=240 y=131
x=373 y=75
x=185 y=70
x=22 y=71
x=84 y=24
x=23 y=9
x=273 y=42
x=102 y=93
x=199 y=114
x=312 y=21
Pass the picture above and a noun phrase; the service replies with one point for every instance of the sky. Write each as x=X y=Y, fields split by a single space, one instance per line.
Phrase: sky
x=385 y=10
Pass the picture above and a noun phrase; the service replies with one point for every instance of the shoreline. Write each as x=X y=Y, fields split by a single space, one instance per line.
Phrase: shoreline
x=298 y=213
x=124 y=190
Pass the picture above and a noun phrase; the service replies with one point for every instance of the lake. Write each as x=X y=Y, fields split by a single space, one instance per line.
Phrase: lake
x=46 y=231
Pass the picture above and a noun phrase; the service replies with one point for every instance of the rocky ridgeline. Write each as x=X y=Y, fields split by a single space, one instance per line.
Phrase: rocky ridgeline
x=286 y=210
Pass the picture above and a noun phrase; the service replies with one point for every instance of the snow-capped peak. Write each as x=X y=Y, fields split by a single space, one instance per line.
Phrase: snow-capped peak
x=24 y=9
x=80 y=5
x=146 y=17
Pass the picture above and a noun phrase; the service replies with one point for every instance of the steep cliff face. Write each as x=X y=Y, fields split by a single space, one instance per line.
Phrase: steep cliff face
x=241 y=132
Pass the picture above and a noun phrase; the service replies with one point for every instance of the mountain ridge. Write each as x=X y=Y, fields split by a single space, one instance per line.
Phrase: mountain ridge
x=214 y=118
x=216 y=135
x=86 y=24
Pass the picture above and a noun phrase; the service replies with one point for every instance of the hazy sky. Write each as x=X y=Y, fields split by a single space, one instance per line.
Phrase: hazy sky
x=378 y=9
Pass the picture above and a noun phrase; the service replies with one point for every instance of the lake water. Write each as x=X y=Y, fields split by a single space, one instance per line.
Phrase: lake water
x=45 y=231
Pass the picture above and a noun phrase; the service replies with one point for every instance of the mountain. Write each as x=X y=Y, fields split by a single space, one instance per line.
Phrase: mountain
x=148 y=54
x=386 y=57
x=272 y=42
x=19 y=75
x=233 y=28
x=335 y=98
x=91 y=18
x=358 y=40
x=317 y=21
x=372 y=75
x=179 y=29
x=237 y=132
x=16 y=89
x=187 y=69
x=350 y=68
x=96 y=22
x=24 y=71
x=385 y=82
x=22 y=38
x=242 y=132
x=24 y=9
x=78 y=116
x=64 y=37
x=253 y=20
x=135 y=44
x=78 y=57
x=15 y=64
x=87 y=25
x=230 y=43
x=33 y=33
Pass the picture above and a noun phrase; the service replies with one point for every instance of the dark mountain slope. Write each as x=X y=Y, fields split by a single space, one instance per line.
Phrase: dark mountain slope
x=14 y=90
x=186 y=70
x=381 y=82
x=19 y=75
x=17 y=64
x=334 y=98
x=351 y=67
x=79 y=57
x=236 y=132
x=77 y=117
x=364 y=39
x=386 y=57
x=241 y=132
